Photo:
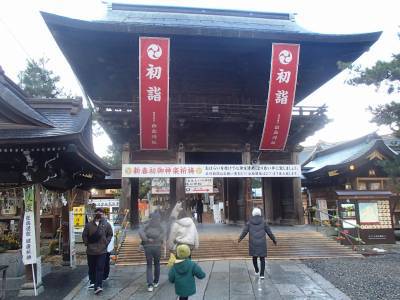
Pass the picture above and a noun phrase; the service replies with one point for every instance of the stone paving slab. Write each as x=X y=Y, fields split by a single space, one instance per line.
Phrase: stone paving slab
x=225 y=280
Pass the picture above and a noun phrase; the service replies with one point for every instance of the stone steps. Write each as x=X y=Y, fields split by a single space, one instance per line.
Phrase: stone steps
x=291 y=245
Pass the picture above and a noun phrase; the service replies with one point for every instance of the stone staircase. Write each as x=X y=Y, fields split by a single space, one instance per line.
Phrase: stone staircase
x=291 y=245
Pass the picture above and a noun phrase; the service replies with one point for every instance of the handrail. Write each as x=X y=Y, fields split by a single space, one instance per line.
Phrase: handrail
x=349 y=237
x=121 y=233
x=335 y=217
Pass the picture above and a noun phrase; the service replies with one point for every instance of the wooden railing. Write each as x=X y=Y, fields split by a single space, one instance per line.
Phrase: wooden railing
x=230 y=109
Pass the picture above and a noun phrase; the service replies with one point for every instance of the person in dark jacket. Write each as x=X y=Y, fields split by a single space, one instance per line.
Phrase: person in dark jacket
x=97 y=235
x=199 y=210
x=183 y=272
x=152 y=235
x=257 y=227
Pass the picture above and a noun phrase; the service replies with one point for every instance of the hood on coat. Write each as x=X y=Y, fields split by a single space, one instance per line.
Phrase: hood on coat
x=186 y=222
x=182 y=266
x=256 y=220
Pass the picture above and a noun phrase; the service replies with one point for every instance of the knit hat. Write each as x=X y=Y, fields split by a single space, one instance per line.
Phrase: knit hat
x=182 y=251
x=256 y=211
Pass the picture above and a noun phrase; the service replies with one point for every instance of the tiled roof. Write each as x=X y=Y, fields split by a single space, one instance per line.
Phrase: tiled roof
x=392 y=141
x=103 y=52
x=205 y=22
x=339 y=157
x=66 y=125
x=13 y=98
x=346 y=152
x=40 y=121
x=46 y=118
x=201 y=18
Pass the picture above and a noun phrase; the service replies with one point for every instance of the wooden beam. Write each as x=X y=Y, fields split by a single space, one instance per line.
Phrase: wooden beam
x=125 y=201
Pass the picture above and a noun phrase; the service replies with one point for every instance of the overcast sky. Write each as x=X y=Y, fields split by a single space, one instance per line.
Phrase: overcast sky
x=23 y=35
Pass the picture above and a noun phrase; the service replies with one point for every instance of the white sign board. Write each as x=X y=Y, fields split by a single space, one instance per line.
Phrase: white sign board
x=198 y=185
x=187 y=171
x=212 y=200
x=323 y=210
x=160 y=186
x=217 y=213
x=29 y=239
x=104 y=202
x=72 y=251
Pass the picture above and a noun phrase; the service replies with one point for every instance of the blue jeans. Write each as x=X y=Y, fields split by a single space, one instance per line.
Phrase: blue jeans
x=96 y=269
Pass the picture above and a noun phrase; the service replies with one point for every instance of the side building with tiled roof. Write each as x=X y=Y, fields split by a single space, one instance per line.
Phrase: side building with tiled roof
x=354 y=167
x=45 y=147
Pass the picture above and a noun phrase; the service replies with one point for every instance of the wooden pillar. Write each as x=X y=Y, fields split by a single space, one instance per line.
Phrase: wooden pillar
x=287 y=201
x=180 y=182
x=65 y=230
x=298 y=203
x=134 y=212
x=172 y=193
x=247 y=197
x=125 y=201
x=226 y=199
x=232 y=198
x=276 y=199
x=267 y=199
x=38 y=266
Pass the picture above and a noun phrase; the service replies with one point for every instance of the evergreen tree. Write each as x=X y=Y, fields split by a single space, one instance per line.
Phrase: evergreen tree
x=39 y=82
x=387 y=74
x=382 y=74
x=388 y=114
x=113 y=156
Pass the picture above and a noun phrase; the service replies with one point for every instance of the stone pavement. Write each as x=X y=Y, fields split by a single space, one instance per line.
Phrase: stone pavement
x=232 y=279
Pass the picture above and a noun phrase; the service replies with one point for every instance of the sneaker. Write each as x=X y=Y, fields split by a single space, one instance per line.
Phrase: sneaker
x=256 y=272
x=105 y=279
x=98 y=290
x=262 y=277
x=150 y=288
x=91 y=286
x=155 y=284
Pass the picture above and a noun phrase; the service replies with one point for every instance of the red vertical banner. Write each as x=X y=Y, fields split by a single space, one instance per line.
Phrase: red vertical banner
x=281 y=93
x=154 y=92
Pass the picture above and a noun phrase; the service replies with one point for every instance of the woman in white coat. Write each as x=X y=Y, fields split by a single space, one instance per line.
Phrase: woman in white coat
x=183 y=231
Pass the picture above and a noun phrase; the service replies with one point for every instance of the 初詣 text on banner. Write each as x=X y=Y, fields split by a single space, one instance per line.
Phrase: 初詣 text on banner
x=154 y=92
x=281 y=93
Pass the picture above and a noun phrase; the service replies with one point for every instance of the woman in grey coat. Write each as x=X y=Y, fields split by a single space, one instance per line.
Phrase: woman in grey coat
x=152 y=235
x=257 y=227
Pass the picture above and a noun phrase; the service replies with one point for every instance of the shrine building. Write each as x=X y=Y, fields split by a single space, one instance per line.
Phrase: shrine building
x=219 y=70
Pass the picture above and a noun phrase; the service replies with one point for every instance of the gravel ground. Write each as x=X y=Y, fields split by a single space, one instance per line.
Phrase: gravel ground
x=374 y=277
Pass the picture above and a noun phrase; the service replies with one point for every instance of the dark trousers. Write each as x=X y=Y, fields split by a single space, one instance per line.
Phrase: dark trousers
x=107 y=266
x=96 y=269
x=262 y=259
x=153 y=254
x=200 y=217
x=183 y=298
